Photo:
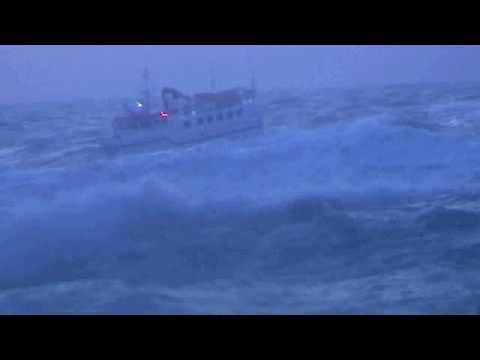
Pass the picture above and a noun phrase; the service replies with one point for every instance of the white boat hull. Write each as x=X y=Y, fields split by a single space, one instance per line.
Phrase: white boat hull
x=179 y=130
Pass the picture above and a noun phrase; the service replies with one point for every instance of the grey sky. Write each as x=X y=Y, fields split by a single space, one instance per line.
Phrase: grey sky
x=38 y=73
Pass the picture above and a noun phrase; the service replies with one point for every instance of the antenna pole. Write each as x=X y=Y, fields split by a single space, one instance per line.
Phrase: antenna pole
x=253 y=82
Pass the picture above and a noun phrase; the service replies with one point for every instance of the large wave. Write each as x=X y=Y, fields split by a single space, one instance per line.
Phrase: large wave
x=363 y=195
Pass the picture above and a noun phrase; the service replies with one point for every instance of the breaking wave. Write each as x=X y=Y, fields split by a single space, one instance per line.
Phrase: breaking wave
x=348 y=200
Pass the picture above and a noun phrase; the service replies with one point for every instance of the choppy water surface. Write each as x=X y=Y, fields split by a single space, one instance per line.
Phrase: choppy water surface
x=351 y=201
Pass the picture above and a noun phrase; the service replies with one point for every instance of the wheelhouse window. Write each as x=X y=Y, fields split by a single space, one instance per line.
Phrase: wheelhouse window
x=200 y=121
x=146 y=123
x=187 y=124
x=220 y=117
x=210 y=119
x=133 y=124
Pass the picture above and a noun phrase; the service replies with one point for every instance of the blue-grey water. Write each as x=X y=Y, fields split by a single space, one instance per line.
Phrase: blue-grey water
x=356 y=201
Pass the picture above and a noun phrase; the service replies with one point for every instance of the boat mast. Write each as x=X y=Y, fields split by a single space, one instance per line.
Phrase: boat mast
x=147 y=94
x=253 y=84
x=213 y=80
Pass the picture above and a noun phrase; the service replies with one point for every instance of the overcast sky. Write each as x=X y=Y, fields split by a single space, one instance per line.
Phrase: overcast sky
x=39 y=73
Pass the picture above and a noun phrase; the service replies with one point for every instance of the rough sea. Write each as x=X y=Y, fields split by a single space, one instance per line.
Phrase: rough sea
x=353 y=201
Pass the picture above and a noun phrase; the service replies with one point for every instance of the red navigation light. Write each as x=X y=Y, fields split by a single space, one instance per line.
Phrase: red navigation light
x=163 y=114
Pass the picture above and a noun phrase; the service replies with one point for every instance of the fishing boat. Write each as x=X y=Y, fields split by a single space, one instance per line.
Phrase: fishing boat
x=176 y=119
